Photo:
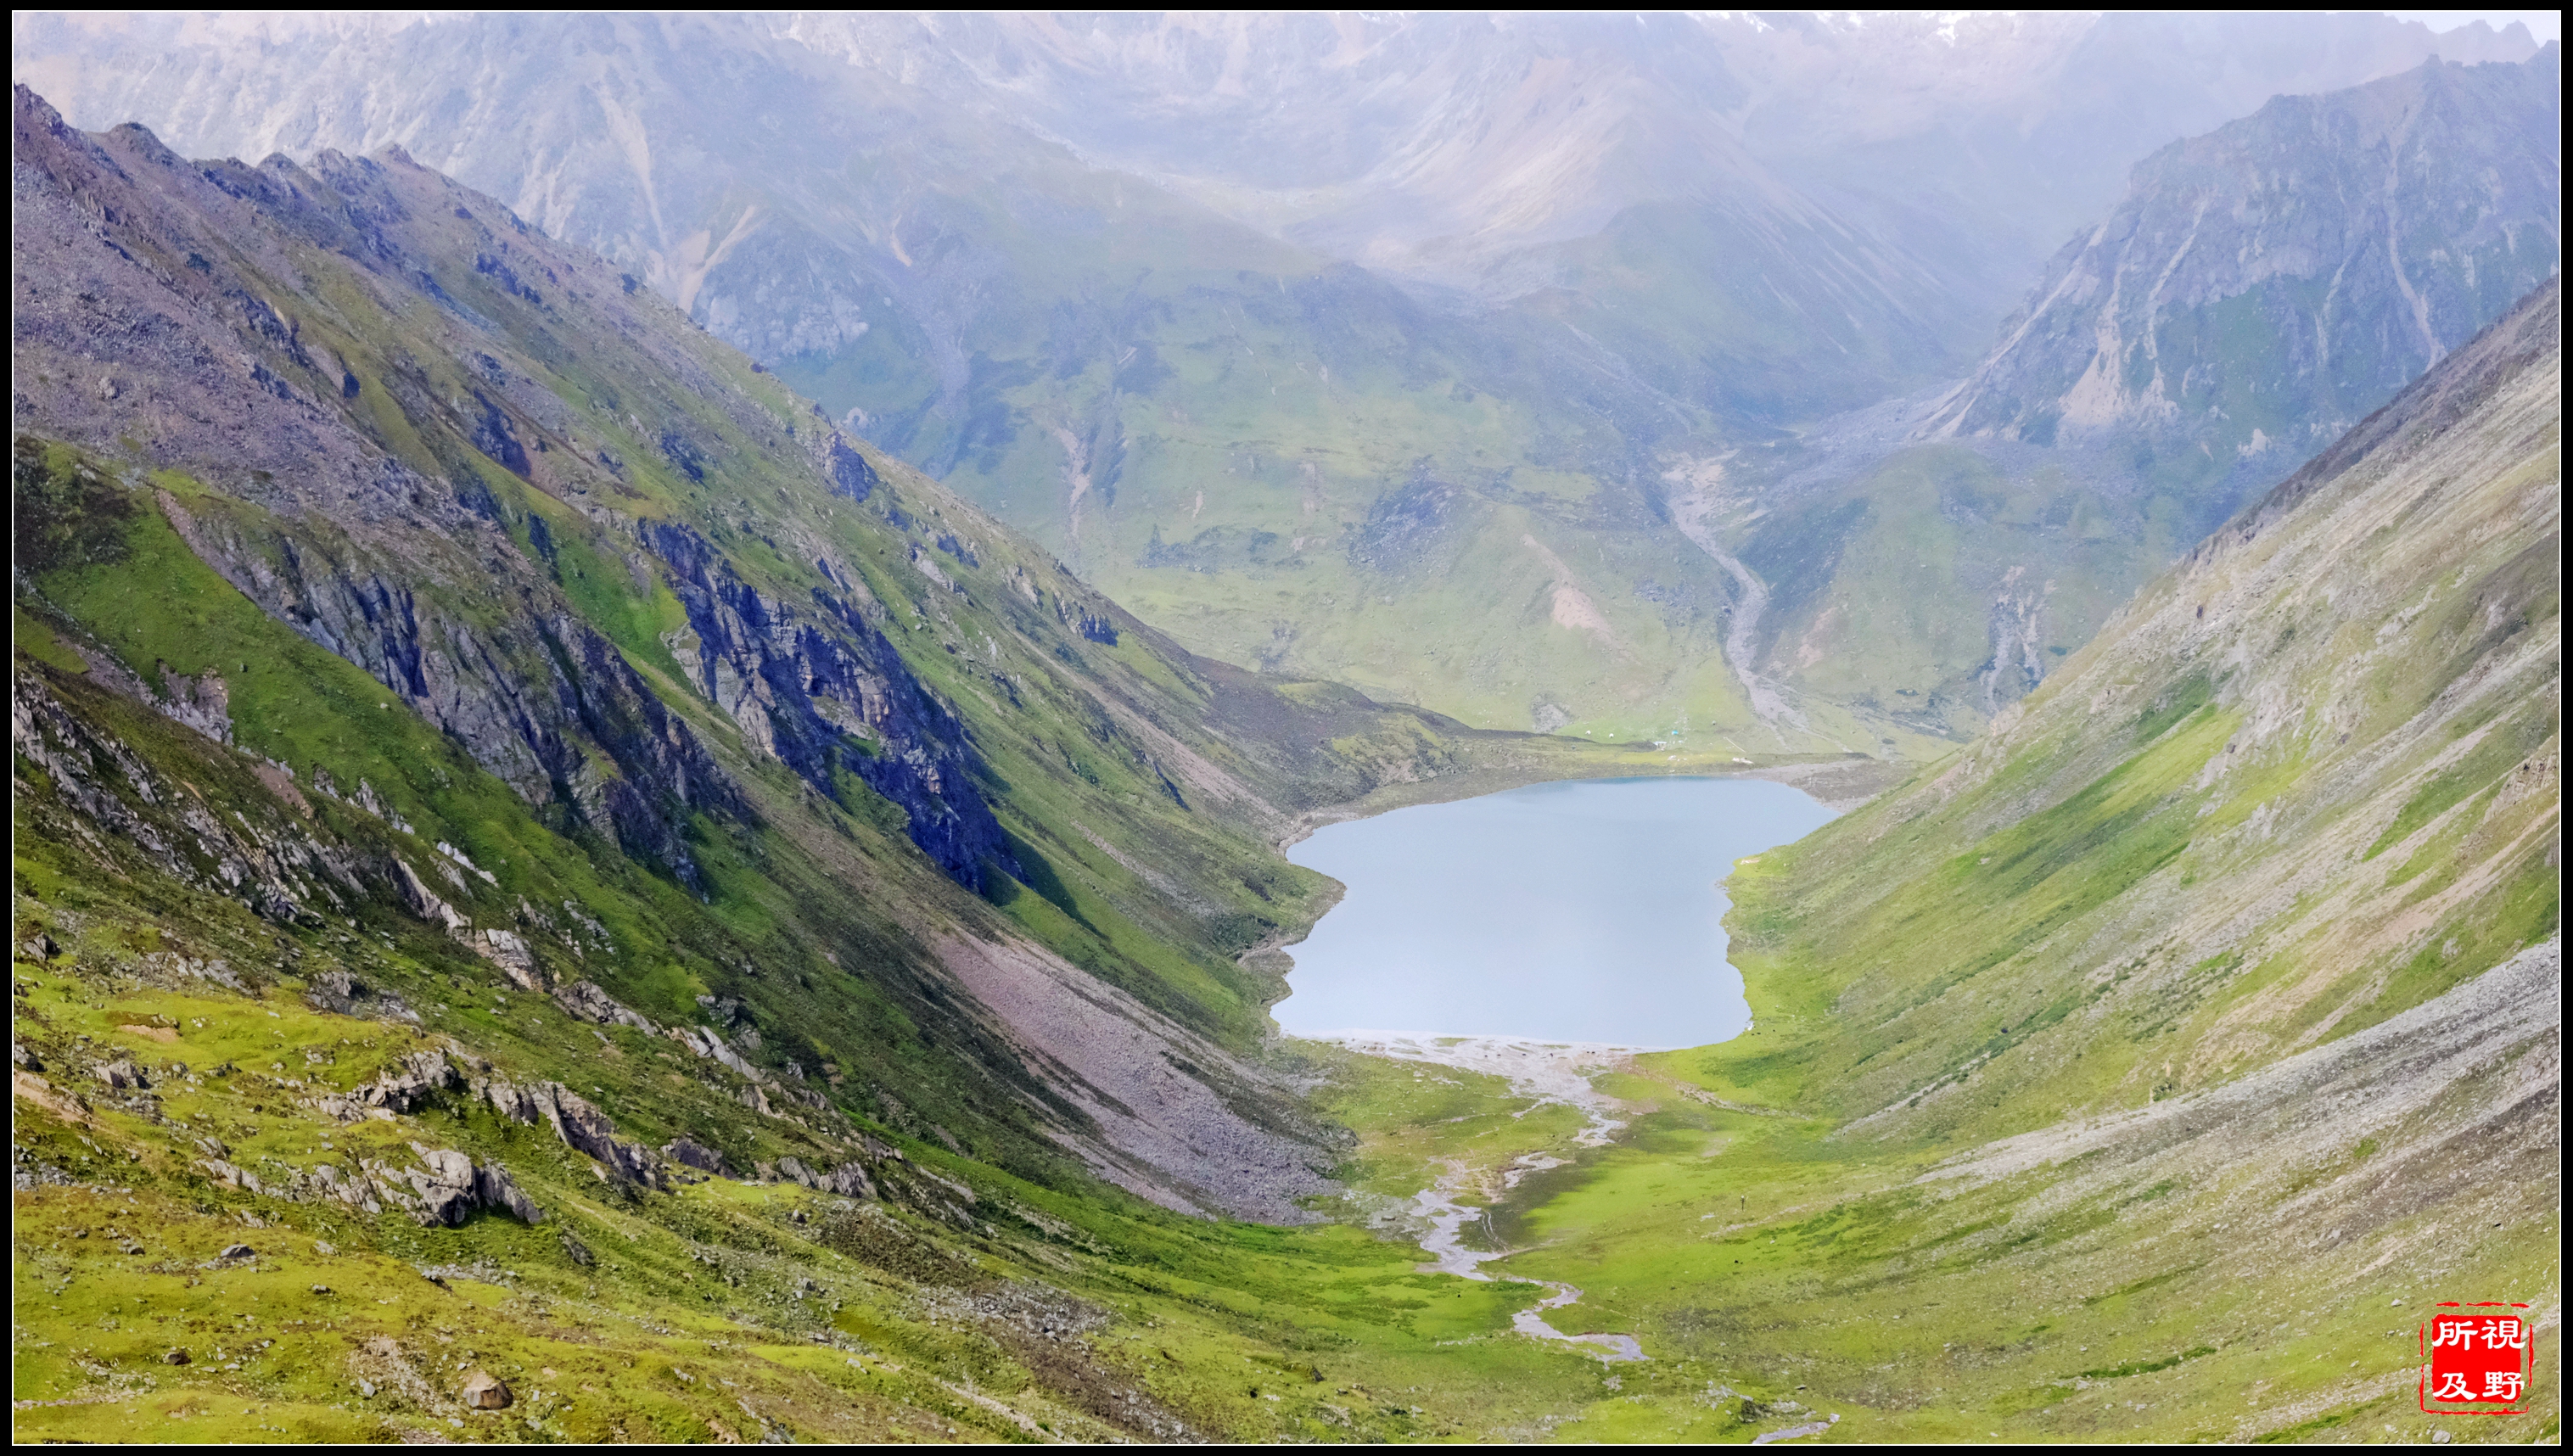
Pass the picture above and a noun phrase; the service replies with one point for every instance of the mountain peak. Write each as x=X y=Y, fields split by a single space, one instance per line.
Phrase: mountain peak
x=2264 y=284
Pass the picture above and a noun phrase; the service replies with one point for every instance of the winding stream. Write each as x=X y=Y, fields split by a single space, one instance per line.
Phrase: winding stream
x=1547 y=1073
x=1542 y=935
x=1697 y=500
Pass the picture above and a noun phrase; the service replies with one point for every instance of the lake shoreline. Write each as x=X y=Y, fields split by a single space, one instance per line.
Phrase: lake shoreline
x=1838 y=784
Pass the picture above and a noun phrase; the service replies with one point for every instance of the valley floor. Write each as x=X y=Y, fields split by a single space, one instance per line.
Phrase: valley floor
x=1694 y=1263
x=1778 y=1275
x=2167 y=1275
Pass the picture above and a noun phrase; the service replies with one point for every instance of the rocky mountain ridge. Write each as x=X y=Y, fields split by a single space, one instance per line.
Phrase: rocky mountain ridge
x=2261 y=287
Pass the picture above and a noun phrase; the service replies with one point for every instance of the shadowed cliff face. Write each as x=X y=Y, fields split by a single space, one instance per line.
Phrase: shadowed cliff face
x=824 y=691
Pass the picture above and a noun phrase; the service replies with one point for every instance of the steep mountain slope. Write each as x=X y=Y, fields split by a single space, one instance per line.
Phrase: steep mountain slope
x=2303 y=782
x=693 y=655
x=2264 y=284
x=2259 y=288
x=2149 y=1070
x=1094 y=274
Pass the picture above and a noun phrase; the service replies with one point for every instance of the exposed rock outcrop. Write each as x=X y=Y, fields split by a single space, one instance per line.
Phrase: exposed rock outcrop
x=511 y=954
x=689 y=1153
x=583 y=1129
x=849 y=1179
x=711 y=1044
x=848 y=470
x=448 y=1188
x=822 y=690
x=585 y=1001
x=408 y=1086
x=345 y=994
x=277 y=868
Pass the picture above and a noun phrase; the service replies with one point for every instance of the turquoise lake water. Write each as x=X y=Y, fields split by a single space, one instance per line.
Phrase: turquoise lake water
x=1574 y=911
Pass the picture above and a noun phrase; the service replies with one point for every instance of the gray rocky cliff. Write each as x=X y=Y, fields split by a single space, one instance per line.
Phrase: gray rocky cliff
x=2264 y=285
x=821 y=688
x=407 y=575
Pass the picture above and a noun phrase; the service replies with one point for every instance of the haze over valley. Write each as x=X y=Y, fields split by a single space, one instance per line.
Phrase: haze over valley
x=1316 y=341
x=1282 y=726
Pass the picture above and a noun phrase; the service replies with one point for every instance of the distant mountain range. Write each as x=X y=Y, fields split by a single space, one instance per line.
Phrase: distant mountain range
x=1395 y=349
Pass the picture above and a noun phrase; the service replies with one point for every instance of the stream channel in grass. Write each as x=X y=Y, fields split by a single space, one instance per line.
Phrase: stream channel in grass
x=1540 y=935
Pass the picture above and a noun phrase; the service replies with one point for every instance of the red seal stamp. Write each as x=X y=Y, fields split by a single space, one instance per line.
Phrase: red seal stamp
x=2476 y=1359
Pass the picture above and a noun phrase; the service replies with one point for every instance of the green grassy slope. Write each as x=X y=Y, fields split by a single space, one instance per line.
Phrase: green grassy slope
x=1937 y=587
x=958 y=1302
x=2143 y=1070
x=2298 y=785
x=1313 y=475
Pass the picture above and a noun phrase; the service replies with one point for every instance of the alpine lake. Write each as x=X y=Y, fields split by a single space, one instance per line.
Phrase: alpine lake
x=1586 y=911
